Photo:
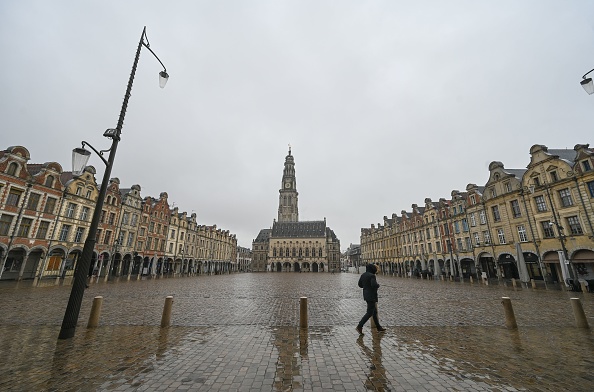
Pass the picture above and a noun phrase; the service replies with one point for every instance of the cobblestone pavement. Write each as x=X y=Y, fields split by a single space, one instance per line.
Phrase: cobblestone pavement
x=239 y=333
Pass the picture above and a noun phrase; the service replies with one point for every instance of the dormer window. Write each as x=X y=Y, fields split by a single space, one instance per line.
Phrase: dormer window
x=536 y=181
x=49 y=181
x=508 y=187
x=586 y=166
x=12 y=169
x=554 y=177
x=493 y=192
x=472 y=199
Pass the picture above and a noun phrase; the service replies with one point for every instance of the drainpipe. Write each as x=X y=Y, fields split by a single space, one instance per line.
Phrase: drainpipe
x=438 y=270
x=175 y=249
x=495 y=261
x=476 y=263
x=557 y=219
x=529 y=215
x=115 y=247
x=452 y=242
x=583 y=205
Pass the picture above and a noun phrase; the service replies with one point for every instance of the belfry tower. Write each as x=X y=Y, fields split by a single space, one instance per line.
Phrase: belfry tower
x=291 y=245
x=288 y=209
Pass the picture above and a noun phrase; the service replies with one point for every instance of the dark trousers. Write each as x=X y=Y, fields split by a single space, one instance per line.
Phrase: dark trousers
x=371 y=312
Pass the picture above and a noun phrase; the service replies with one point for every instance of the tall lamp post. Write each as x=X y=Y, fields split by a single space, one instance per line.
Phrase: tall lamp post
x=80 y=157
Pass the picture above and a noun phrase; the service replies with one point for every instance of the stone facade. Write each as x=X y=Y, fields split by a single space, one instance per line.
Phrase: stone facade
x=244 y=259
x=293 y=245
x=45 y=215
x=535 y=224
x=30 y=200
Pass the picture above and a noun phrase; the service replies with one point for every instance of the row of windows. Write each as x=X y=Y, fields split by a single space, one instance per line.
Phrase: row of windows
x=547 y=227
x=294 y=252
x=565 y=199
x=126 y=219
x=89 y=193
x=181 y=249
x=6 y=221
x=188 y=237
x=13 y=170
x=539 y=201
x=155 y=213
x=14 y=198
x=24 y=227
x=287 y=200
x=65 y=233
x=554 y=177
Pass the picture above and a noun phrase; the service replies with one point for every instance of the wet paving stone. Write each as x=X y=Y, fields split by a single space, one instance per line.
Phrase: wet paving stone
x=240 y=333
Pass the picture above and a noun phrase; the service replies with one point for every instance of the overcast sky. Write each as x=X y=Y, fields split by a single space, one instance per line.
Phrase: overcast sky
x=384 y=103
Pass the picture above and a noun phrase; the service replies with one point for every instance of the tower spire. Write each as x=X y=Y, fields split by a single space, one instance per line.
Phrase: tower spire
x=288 y=208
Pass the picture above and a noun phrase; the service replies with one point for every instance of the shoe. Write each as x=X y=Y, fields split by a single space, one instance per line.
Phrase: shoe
x=381 y=329
x=360 y=330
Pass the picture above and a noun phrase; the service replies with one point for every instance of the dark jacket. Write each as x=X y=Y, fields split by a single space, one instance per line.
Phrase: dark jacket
x=369 y=284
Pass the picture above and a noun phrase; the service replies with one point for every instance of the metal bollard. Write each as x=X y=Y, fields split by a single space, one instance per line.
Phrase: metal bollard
x=471 y=280
x=533 y=282
x=514 y=282
x=583 y=286
x=303 y=312
x=95 y=312
x=166 y=318
x=510 y=318
x=578 y=312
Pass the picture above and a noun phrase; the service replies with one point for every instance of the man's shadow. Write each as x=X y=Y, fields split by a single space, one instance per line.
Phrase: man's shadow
x=376 y=376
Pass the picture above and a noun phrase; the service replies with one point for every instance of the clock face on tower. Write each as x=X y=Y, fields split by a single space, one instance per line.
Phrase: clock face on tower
x=287 y=184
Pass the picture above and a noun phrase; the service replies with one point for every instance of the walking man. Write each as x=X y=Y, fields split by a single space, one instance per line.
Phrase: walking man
x=368 y=283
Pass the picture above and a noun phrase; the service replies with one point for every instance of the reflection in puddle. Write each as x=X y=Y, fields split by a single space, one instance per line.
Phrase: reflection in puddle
x=376 y=377
x=291 y=358
x=493 y=358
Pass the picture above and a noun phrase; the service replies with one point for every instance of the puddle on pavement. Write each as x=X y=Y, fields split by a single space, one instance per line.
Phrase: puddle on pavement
x=459 y=358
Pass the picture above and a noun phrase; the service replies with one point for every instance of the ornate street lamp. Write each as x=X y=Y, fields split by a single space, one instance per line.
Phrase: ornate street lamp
x=587 y=83
x=80 y=157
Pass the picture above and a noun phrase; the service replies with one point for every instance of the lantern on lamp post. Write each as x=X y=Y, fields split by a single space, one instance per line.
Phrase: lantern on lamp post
x=587 y=83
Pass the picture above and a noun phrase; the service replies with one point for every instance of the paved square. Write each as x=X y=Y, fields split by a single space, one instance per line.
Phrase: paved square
x=240 y=333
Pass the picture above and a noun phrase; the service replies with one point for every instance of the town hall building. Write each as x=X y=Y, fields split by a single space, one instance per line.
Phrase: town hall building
x=292 y=245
